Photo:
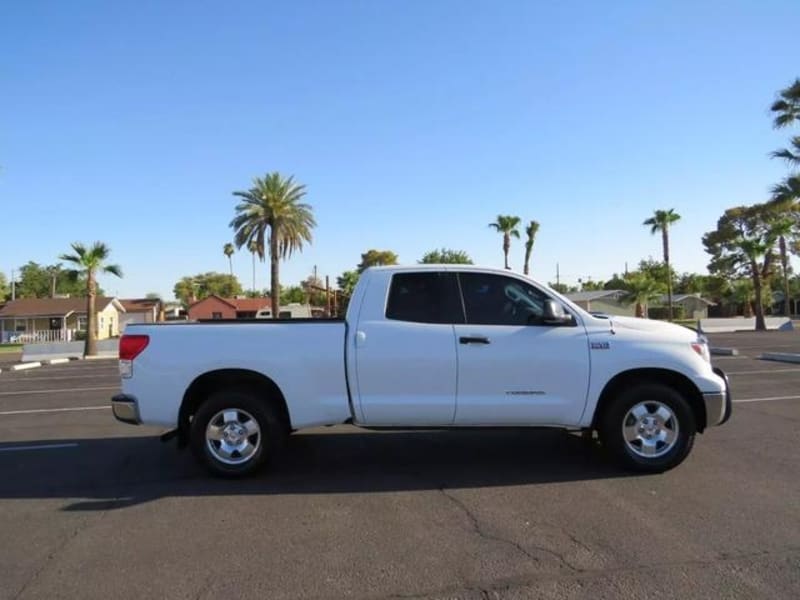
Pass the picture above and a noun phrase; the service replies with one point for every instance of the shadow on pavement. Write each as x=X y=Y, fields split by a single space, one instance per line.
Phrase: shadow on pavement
x=114 y=473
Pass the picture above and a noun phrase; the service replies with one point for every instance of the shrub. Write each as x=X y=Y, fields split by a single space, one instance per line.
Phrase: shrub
x=662 y=312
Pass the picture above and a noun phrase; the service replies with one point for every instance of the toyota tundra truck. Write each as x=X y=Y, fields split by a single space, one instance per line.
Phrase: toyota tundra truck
x=428 y=346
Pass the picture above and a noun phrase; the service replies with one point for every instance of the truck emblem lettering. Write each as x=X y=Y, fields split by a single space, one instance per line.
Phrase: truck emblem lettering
x=600 y=346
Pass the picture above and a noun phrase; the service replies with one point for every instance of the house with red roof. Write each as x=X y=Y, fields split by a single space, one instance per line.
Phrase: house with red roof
x=216 y=307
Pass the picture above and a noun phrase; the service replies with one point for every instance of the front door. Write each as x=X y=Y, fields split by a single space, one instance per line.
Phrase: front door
x=512 y=368
x=406 y=354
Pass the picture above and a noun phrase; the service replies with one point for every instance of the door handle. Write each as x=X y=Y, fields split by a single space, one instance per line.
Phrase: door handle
x=474 y=339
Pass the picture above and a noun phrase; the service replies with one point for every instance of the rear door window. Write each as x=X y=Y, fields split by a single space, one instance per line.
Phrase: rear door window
x=425 y=298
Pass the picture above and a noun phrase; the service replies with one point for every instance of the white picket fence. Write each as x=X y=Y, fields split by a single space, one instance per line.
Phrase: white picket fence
x=45 y=336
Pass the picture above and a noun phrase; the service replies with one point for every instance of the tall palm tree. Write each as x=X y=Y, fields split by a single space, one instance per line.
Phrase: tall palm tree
x=89 y=262
x=252 y=247
x=660 y=221
x=271 y=214
x=507 y=225
x=531 y=230
x=228 y=251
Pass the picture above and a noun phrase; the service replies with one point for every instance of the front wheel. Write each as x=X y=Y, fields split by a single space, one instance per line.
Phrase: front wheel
x=234 y=433
x=649 y=428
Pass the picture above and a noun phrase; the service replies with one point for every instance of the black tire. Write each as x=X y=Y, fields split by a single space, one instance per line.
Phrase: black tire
x=260 y=446
x=646 y=454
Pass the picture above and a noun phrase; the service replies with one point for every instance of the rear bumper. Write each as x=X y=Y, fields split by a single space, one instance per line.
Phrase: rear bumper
x=718 y=404
x=125 y=409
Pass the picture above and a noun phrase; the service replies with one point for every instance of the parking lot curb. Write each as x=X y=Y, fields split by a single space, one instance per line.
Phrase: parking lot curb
x=57 y=361
x=781 y=357
x=25 y=366
x=115 y=357
x=724 y=351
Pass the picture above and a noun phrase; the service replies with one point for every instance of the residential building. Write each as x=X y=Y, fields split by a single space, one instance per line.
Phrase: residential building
x=609 y=302
x=216 y=307
x=693 y=305
x=140 y=310
x=56 y=319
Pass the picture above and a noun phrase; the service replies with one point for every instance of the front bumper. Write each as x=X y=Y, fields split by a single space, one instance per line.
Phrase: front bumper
x=718 y=404
x=125 y=409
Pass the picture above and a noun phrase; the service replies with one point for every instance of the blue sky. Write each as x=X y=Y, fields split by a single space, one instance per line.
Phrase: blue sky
x=413 y=125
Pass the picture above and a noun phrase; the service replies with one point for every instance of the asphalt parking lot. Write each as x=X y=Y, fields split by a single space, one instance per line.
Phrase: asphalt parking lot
x=95 y=509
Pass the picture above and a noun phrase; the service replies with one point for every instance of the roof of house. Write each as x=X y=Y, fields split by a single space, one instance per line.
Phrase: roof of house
x=239 y=304
x=139 y=304
x=681 y=297
x=594 y=295
x=53 y=307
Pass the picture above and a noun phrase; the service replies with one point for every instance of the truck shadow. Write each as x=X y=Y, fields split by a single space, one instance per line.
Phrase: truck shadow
x=114 y=473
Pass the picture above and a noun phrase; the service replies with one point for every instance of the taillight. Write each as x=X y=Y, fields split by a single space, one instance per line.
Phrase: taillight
x=131 y=346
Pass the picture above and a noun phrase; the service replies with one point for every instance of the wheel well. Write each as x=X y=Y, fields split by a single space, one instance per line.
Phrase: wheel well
x=672 y=379
x=212 y=381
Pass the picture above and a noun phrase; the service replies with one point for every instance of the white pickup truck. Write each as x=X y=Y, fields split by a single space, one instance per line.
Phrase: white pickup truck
x=441 y=346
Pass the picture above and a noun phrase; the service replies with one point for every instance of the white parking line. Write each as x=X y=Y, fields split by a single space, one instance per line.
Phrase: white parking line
x=766 y=399
x=762 y=371
x=40 y=447
x=33 y=411
x=60 y=391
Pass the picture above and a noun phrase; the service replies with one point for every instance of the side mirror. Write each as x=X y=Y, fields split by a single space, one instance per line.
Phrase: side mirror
x=554 y=314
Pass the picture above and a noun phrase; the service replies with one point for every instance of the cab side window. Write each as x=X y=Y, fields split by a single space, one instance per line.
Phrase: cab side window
x=492 y=299
x=425 y=298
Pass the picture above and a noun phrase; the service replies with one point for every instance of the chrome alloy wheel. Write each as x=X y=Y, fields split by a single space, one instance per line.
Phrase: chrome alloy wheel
x=650 y=429
x=233 y=436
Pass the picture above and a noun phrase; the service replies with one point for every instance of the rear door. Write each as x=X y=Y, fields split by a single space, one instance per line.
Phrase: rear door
x=405 y=349
x=513 y=369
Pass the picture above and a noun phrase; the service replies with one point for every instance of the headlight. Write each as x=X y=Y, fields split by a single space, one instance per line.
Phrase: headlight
x=702 y=350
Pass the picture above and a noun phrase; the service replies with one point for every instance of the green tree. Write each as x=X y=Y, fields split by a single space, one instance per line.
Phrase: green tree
x=88 y=262
x=376 y=258
x=272 y=214
x=615 y=283
x=660 y=222
x=641 y=290
x=36 y=281
x=743 y=245
x=293 y=293
x=190 y=289
x=446 y=256
x=5 y=290
x=228 y=251
x=347 y=281
x=562 y=288
x=530 y=231
x=507 y=225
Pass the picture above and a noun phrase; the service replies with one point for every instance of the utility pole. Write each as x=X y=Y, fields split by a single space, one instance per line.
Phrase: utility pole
x=13 y=287
x=558 y=276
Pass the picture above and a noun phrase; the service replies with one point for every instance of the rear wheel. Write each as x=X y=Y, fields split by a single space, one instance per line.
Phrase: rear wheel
x=234 y=433
x=649 y=428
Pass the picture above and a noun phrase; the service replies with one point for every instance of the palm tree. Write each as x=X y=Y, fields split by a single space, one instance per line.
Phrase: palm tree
x=507 y=225
x=54 y=271
x=228 y=251
x=641 y=290
x=252 y=247
x=787 y=106
x=783 y=228
x=88 y=262
x=660 y=221
x=271 y=213
x=530 y=231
